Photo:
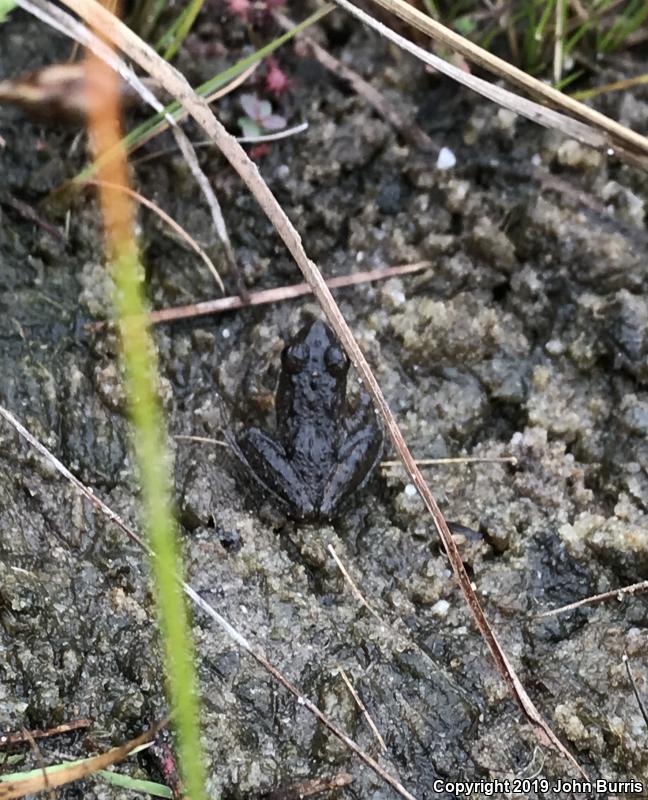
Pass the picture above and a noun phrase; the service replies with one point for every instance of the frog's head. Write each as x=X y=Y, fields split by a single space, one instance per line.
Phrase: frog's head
x=316 y=367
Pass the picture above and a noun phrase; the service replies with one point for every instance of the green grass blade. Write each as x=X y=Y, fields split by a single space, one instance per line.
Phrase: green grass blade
x=148 y=15
x=568 y=80
x=155 y=480
x=135 y=784
x=6 y=7
x=547 y=14
x=431 y=8
x=19 y=776
x=624 y=24
x=177 y=33
x=575 y=38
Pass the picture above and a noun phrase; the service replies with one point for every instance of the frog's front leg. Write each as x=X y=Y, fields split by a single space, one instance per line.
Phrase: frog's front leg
x=356 y=461
x=267 y=460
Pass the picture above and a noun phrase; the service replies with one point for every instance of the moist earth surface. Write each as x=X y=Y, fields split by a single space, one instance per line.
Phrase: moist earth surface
x=524 y=337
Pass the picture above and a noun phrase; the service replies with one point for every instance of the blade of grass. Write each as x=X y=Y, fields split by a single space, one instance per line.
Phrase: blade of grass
x=70 y=27
x=148 y=430
x=210 y=98
x=586 y=94
x=147 y=14
x=6 y=7
x=520 y=105
x=575 y=38
x=569 y=79
x=624 y=23
x=559 y=41
x=178 y=33
x=136 y=784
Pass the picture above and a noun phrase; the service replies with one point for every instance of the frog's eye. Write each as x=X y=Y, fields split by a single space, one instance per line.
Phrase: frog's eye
x=294 y=357
x=336 y=361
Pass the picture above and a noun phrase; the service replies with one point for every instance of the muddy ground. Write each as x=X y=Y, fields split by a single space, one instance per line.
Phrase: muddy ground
x=526 y=338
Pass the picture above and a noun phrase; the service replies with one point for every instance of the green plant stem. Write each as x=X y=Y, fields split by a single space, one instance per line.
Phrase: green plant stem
x=148 y=14
x=6 y=6
x=180 y=28
x=155 y=480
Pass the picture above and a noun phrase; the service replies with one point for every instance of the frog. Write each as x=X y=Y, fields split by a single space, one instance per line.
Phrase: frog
x=322 y=454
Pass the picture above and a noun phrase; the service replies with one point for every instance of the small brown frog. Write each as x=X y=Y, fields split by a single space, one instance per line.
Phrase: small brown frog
x=320 y=456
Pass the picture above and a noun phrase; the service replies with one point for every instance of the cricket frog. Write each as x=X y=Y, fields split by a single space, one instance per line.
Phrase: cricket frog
x=321 y=455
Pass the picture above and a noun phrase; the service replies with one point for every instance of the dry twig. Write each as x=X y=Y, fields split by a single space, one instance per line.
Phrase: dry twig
x=363 y=710
x=409 y=130
x=358 y=594
x=39 y=780
x=182 y=233
x=280 y=294
x=310 y=788
x=615 y=594
x=29 y=213
x=9 y=739
x=635 y=689
x=60 y=20
x=433 y=462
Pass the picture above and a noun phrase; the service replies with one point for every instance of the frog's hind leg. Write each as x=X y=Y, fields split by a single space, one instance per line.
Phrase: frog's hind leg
x=357 y=460
x=269 y=465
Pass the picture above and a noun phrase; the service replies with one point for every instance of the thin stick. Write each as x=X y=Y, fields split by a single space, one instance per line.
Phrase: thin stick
x=618 y=594
x=202 y=439
x=635 y=689
x=191 y=158
x=270 y=137
x=363 y=710
x=410 y=132
x=429 y=462
x=168 y=220
x=182 y=115
x=280 y=294
x=352 y=584
x=29 y=213
x=59 y=775
x=229 y=629
x=60 y=467
x=38 y=756
x=8 y=739
x=310 y=788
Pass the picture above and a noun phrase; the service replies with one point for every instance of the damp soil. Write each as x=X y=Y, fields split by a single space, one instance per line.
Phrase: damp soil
x=526 y=337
